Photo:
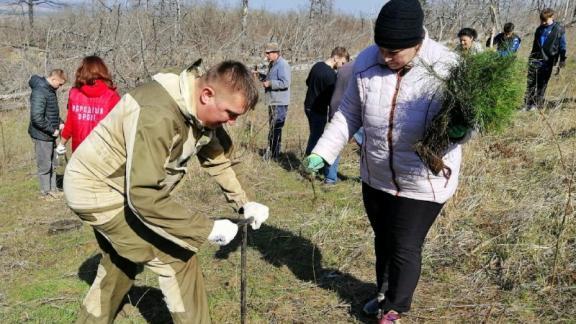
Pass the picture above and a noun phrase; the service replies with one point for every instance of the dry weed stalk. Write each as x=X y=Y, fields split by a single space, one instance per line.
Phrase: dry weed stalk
x=568 y=208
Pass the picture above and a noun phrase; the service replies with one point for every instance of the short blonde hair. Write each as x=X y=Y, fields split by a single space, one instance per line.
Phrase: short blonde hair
x=58 y=73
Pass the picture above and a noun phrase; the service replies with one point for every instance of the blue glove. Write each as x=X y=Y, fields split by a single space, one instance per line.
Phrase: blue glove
x=313 y=163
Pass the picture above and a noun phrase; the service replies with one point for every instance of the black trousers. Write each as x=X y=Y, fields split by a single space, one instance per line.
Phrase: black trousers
x=400 y=226
x=539 y=73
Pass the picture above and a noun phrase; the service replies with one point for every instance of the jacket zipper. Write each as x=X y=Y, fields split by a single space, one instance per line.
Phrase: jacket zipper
x=399 y=75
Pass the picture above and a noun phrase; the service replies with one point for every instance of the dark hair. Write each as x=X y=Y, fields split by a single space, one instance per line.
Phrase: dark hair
x=340 y=52
x=470 y=32
x=236 y=77
x=92 y=69
x=546 y=13
x=508 y=27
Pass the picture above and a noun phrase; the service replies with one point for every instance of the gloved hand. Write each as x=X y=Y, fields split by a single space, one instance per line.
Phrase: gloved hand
x=61 y=149
x=223 y=232
x=470 y=134
x=460 y=134
x=258 y=211
x=56 y=133
x=456 y=132
x=61 y=127
x=313 y=163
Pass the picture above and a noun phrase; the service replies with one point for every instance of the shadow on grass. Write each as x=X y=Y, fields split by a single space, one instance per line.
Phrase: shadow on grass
x=568 y=133
x=287 y=160
x=559 y=103
x=148 y=300
x=283 y=248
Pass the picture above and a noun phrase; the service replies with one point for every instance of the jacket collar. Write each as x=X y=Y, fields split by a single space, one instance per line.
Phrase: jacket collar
x=182 y=88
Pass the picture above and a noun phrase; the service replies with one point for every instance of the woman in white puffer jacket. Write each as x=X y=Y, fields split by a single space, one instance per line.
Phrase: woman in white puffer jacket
x=395 y=92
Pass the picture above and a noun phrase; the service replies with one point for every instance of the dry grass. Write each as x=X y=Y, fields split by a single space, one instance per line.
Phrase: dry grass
x=489 y=258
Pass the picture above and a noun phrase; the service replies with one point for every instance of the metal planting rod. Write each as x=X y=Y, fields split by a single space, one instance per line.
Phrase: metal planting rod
x=243 y=227
x=243 y=247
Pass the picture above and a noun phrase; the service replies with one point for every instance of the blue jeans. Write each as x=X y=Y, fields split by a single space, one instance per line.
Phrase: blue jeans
x=276 y=119
x=331 y=172
x=317 y=122
x=359 y=136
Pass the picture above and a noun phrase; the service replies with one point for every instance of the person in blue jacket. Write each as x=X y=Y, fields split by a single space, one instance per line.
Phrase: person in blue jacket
x=507 y=42
x=549 y=48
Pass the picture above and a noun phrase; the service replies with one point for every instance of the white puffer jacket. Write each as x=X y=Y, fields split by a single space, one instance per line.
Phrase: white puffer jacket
x=395 y=109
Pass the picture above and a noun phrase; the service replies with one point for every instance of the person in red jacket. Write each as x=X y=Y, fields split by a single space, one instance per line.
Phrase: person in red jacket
x=89 y=101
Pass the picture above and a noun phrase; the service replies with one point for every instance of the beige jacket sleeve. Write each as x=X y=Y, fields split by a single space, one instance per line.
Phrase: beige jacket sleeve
x=214 y=157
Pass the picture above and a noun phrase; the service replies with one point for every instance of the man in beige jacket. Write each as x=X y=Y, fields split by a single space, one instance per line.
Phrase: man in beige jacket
x=121 y=178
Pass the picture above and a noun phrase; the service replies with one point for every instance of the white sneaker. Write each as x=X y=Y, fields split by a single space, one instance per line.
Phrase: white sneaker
x=372 y=307
x=531 y=108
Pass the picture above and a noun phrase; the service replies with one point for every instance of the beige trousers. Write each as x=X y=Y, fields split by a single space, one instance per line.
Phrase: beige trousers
x=127 y=245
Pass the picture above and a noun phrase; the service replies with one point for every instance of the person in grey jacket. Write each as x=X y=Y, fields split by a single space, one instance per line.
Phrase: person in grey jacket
x=45 y=126
x=277 y=88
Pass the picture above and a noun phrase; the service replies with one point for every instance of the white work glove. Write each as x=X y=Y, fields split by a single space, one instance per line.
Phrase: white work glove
x=223 y=232
x=60 y=149
x=56 y=133
x=256 y=210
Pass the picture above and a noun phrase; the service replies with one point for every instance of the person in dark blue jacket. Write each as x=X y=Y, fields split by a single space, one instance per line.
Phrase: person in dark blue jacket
x=549 y=48
x=507 y=42
x=45 y=126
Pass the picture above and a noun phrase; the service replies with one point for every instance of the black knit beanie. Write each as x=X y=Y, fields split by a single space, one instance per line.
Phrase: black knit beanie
x=400 y=25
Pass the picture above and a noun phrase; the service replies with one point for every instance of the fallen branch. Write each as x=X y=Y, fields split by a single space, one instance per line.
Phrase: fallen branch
x=14 y=95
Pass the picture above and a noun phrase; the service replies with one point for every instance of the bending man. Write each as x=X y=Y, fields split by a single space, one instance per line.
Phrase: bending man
x=121 y=179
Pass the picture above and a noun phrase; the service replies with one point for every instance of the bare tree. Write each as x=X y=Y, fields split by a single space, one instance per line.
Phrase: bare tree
x=30 y=4
x=320 y=8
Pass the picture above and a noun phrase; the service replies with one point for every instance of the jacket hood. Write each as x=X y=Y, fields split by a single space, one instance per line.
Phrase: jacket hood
x=37 y=81
x=182 y=89
x=95 y=90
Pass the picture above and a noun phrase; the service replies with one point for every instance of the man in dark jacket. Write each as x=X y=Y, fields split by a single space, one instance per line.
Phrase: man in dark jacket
x=45 y=125
x=549 y=48
x=321 y=81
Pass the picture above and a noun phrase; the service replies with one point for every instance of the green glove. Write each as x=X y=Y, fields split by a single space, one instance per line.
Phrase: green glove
x=313 y=163
x=456 y=132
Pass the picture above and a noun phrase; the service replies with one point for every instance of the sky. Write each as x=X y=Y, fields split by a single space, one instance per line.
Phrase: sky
x=363 y=8
x=366 y=8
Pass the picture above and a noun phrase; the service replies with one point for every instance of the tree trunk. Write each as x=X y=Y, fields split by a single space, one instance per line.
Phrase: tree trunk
x=566 y=18
x=244 y=16
x=177 y=22
x=31 y=13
